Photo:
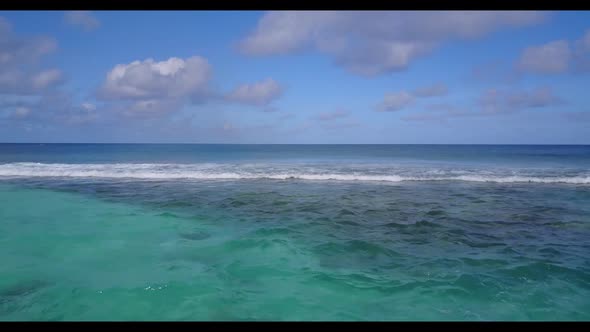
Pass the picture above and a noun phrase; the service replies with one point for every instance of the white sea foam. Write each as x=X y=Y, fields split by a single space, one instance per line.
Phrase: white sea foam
x=236 y=172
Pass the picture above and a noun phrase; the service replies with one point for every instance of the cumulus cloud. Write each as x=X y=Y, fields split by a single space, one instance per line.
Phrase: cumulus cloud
x=582 y=52
x=584 y=43
x=329 y=116
x=497 y=72
x=151 y=107
x=16 y=49
x=60 y=108
x=396 y=101
x=490 y=103
x=336 y=120
x=20 y=71
x=46 y=78
x=370 y=43
x=270 y=109
x=435 y=90
x=393 y=102
x=149 y=88
x=539 y=97
x=439 y=113
x=82 y=18
x=20 y=82
x=577 y=116
x=56 y=108
x=286 y=116
x=550 y=58
x=88 y=107
x=148 y=79
x=495 y=101
x=343 y=125
x=426 y=117
x=300 y=128
x=557 y=57
x=228 y=126
x=21 y=112
x=228 y=131
x=29 y=90
x=257 y=94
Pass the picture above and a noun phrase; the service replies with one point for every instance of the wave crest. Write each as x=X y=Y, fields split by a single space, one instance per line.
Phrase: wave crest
x=237 y=172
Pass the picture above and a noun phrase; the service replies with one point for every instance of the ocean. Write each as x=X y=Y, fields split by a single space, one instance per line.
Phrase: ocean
x=294 y=232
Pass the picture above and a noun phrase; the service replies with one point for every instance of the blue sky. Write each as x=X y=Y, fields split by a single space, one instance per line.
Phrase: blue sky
x=295 y=77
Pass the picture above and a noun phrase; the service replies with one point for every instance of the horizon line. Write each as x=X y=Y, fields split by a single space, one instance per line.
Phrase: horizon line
x=188 y=143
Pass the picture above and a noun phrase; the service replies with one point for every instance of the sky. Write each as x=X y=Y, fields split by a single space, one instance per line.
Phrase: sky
x=387 y=77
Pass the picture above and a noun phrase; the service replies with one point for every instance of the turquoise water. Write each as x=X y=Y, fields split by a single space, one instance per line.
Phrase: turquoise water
x=189 y=232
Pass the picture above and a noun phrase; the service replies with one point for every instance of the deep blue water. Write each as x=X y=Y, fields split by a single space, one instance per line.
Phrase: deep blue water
x=564 y=155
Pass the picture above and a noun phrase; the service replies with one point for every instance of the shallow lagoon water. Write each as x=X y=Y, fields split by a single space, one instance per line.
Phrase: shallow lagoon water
x=89 y=246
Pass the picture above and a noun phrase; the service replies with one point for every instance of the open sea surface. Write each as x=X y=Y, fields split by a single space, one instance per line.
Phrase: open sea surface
x=294 y=232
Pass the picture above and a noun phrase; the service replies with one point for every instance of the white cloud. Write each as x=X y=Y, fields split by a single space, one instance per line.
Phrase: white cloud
x=341 y=125
x=270 y=109
x=228 y=126
x=21 y=112
x=257 y=94
x=435 y=90
x=47 y=78
x=584 y=43
x=550 y=58
x=78 y=114
x=440 y=113
x=582 y=52
x=328 y=116
x=19 y=57
x=151 y=107
x=557 y=57
x=54 y=108
x=147 y=79
x=286 y=116
x=82 y=18
x=494 y=101
x=539 y=97
x=579 y=116
x=88 y=107
x=426 y=117
x=369 y=42
x=496 y=72
x=149 y=88
x=491 y=101
x=393 y=102
x=15 y=49
x=396 y=101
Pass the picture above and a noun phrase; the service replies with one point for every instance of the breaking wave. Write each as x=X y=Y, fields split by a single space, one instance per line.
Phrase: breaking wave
x=286 y=172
